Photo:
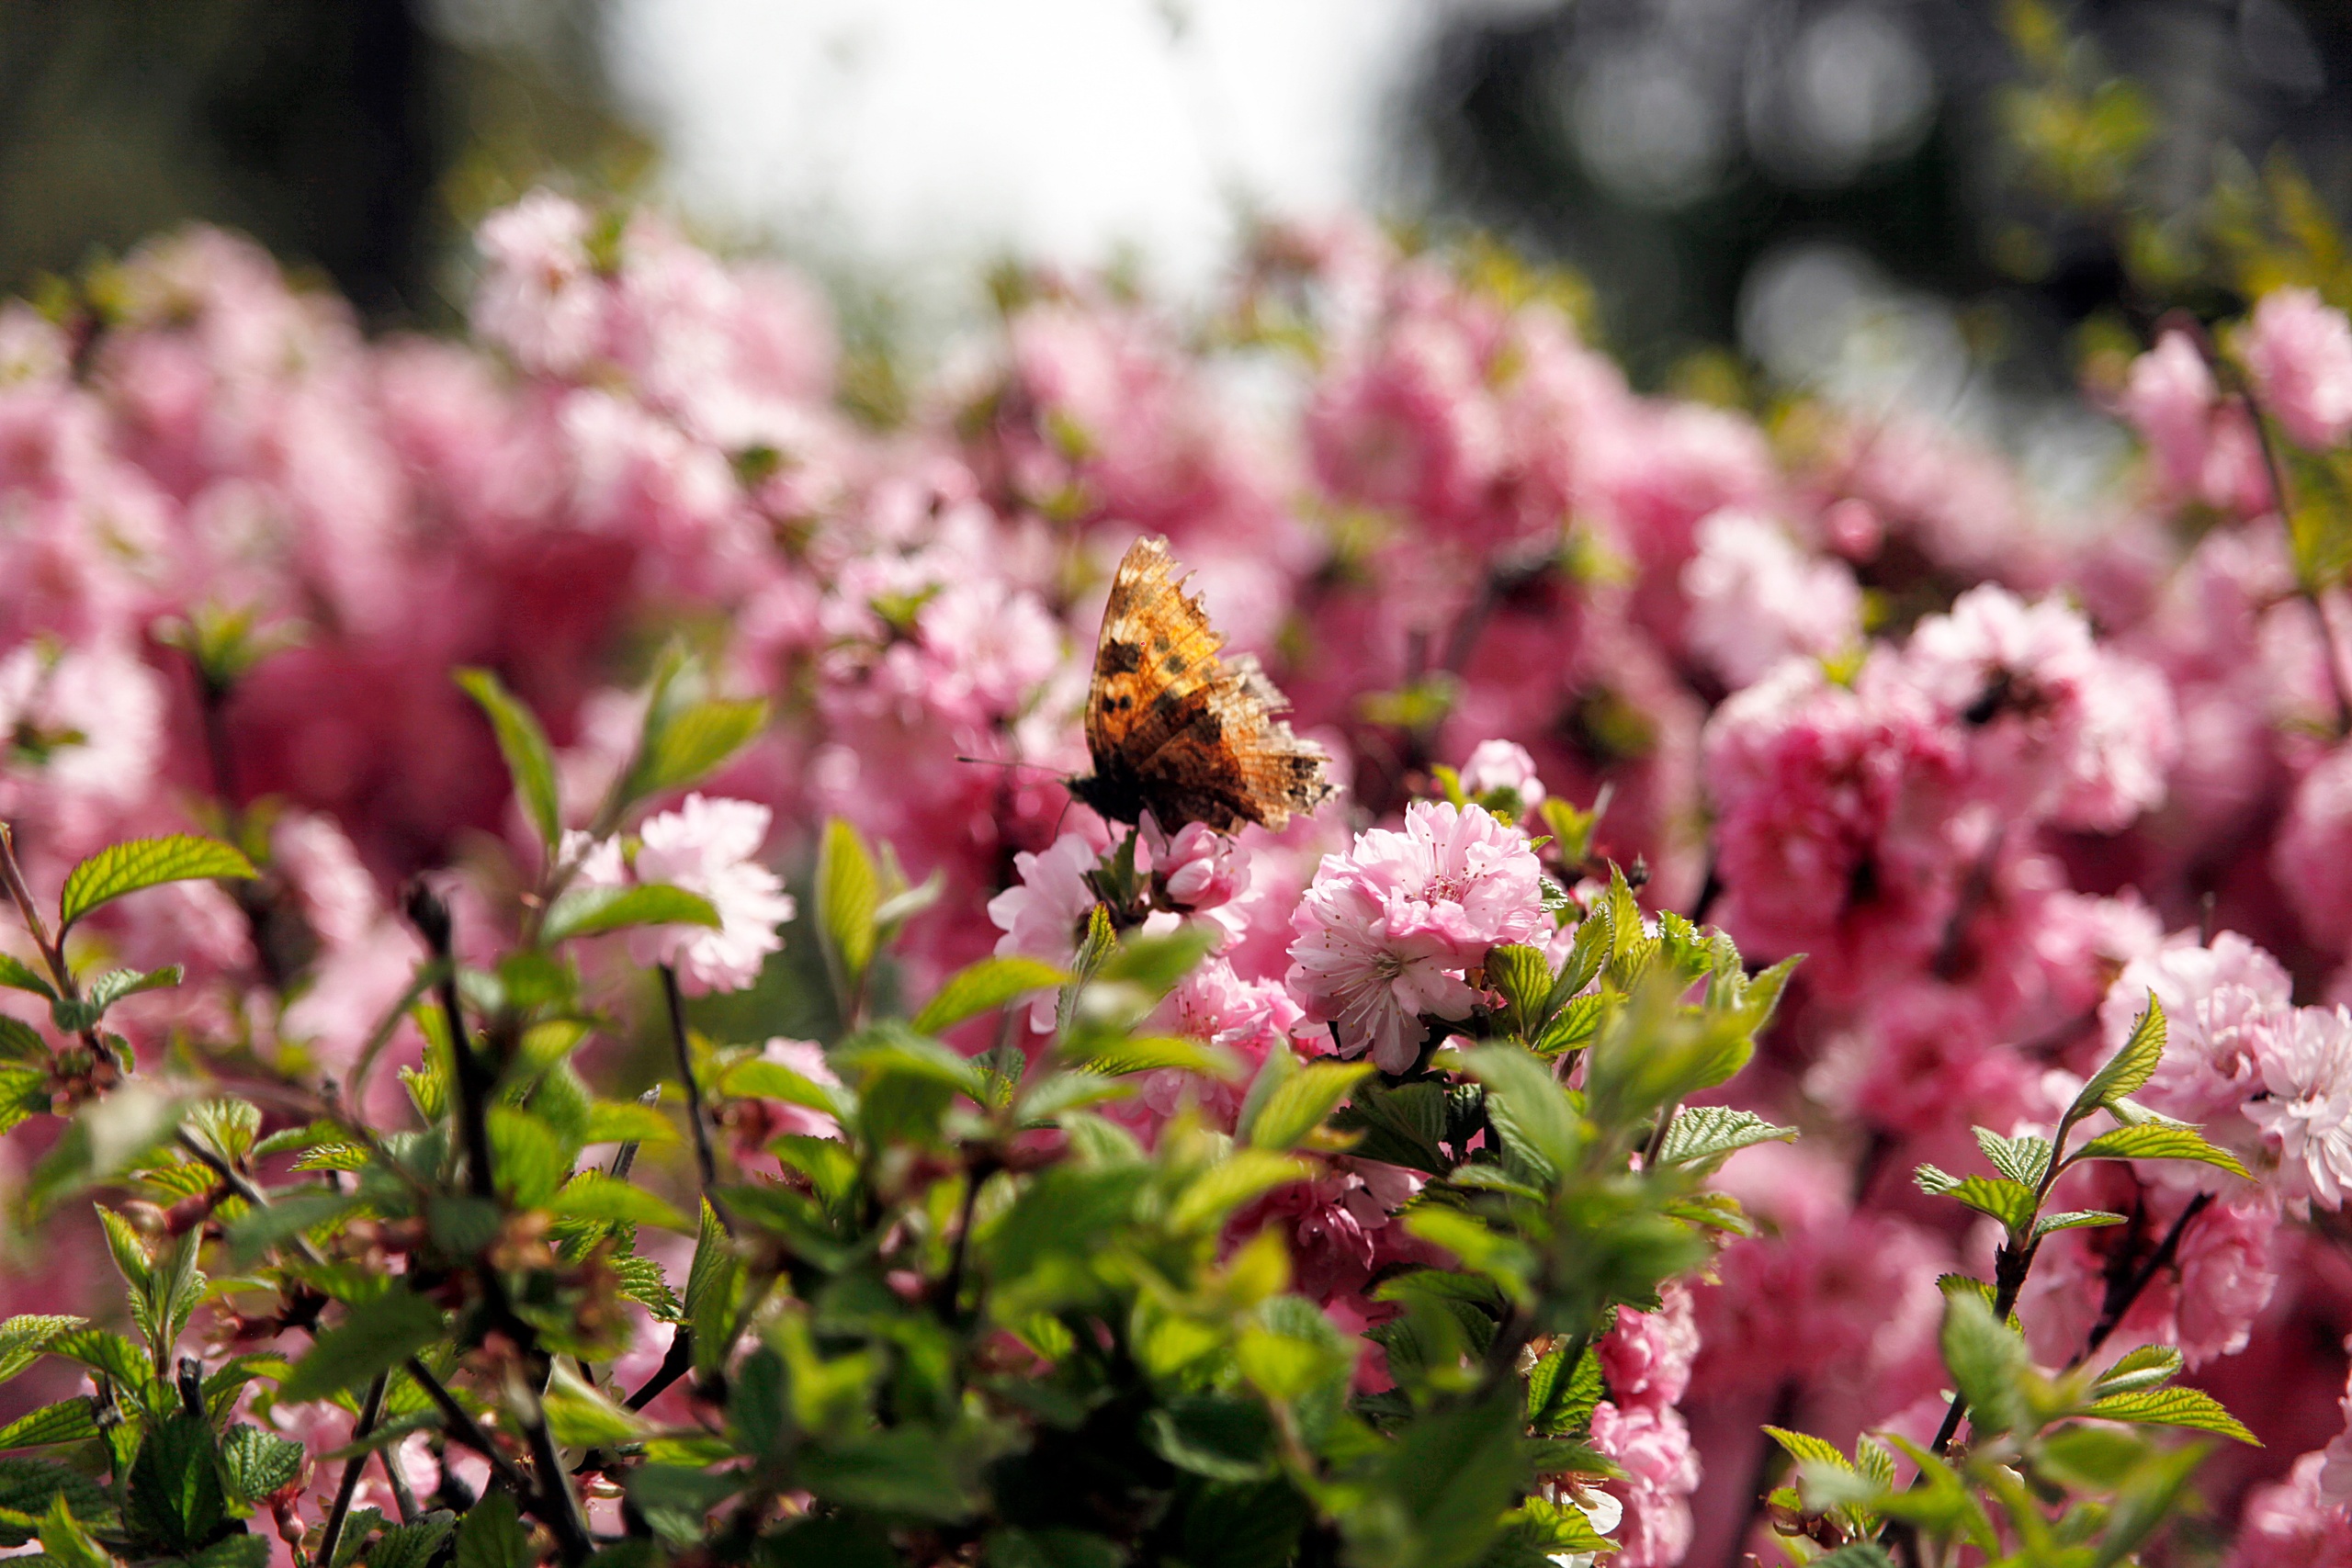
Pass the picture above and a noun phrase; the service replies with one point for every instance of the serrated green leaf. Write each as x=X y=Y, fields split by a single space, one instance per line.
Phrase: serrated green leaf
x=1702 y=1132
x=67 y=1421
x=2074 y=1219
x=2128 y=1069
x=2022 y=1159
x=76 y=1014
x=1806 y=1449
x=17 y=976
x=2143 y=1366
x=373 y=1336
x=530 y=762
x=1524 y=975
x=2160 y=1140
x=2173 y=1407
x=25 y=1339
x=1988 y=1362
x=983 y=987
x=1561 y=1399
x=137 y=864
x=491 y=1536
x=2011 y=1203
x=413 y=1545
x=255 y=1463
x=174 y=1501
x=28 y=1486
x=627 y=1121
x=1125 y=1055
x=20 y=1042
x=1302 y=1101
x=1211 y=1197
x=1528 y=1107
x=581 y=1416
x=592 y=911
x=592 y=1195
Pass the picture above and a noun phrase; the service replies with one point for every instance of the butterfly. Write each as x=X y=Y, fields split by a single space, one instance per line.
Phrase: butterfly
x=1174 y=730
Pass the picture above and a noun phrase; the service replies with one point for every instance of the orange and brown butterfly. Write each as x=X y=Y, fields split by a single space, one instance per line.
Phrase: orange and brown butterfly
x=1178 y=731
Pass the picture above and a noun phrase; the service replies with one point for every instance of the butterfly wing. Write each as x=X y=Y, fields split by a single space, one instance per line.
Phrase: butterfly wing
x=1176 y=729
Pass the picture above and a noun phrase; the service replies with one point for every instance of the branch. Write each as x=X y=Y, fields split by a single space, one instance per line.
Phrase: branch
x=705 y=1157
x=431 y=918
x=2123 y=1295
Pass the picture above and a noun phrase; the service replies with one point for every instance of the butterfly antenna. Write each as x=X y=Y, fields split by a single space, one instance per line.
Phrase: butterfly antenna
x=1007 y=762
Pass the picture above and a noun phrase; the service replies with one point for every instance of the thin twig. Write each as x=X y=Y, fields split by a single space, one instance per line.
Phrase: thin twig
x=2119 y=1302
x=558 y=1505
x=462 y=1427
x=675 y=1365
x=372 y=1408
x=431 y=918
x=705 y=1157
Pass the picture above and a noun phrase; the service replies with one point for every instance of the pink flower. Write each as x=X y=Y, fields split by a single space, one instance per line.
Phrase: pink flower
x=1646 y=1357
x=1653 y=1447
x=2299 y=352
x=539 y=297
x=2293 y=1523
x=2335 y=1471
x=2308 y=1072
x=1199 y=869
x=2056 y=726
x=1386 y=932
x=1044 y=914
x=1495 y=766
x=806 y=1058
x=707 y=846
x=1755 y=598
x=2309 y=856
x=2223 y=1005
x=2170 y=400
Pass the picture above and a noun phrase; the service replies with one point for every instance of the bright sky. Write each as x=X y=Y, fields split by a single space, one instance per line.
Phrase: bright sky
x=931 y=134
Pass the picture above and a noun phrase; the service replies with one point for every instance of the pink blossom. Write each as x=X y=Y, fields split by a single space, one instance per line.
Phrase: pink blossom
x=1652 y=1444
x=2299 y=352
x=2307 y=1071
x=2170 y=400
x=1755 y=599
x=1386 y=931
x=1646 y=1357
x=2293 y=1523
x=707 y=846
x=2309 y=856
x=1044 y=915
x=2224 y=1004
x=539 y=297
x=1496 y=765
x=2335 y=1471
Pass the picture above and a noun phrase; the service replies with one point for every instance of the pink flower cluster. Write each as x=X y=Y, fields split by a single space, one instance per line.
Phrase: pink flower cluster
x=1853 y=693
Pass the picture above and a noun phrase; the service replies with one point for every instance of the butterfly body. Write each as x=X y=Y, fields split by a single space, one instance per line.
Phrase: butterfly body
x=1178 y=730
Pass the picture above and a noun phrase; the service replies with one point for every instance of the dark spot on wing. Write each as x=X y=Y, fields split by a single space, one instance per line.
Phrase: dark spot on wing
x=1117 y=658
x=1175 y=665
x=1159 y=643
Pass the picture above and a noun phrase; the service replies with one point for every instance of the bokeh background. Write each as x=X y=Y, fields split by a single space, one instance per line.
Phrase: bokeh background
x=1825 y=193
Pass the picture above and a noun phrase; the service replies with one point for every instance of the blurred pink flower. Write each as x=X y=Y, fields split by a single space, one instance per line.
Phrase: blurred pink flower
x=2299 y=352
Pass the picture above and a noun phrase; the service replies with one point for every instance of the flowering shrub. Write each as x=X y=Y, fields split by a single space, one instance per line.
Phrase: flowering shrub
x=554 y=946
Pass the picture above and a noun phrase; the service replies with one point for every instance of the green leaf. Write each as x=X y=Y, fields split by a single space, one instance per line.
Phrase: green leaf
x=28 y=1486
x=1528 y=1107
x=1124 y=1055
x=904 y=1469
x=581 y=1416
x=1211 y=1197
x=106 y=989
x=982 y=988
x=20 y=1042
x=255 y=1463
x=627 y=1121
x=1300 y=1104
x=1560 y=1401
x=849 y=892
x=413 y=1545
x=1525 y=978
x=137 y=864
x=108 y=1353
x=1213 y=1435
x=1806 y=1449
x=2011 y=1203
x=2145 y=1366
x=66 y=1542
x=530 y=763
x=2160 y=1140
x=1056 y=1092
x=256 y=1231
x=2128 y=1069
x=592 y=1195
x=592 y=911
x=2074 y=1219
x=175 y=1500
x=374 y=1337
x=16 y=976
x=682 y=747
x=529 y=1157
x=2022 y=1159
x=2175 y=1406
x=1987 y=1361
x=1447 y=1481
x=23 y=1339
x=105 y=1138
x=1701 y=1133
x=1402 y=1126
x=491 y=1536
x=67 y=1421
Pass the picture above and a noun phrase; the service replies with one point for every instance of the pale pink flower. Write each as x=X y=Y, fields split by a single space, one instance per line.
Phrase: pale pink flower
x=707 y=846
x=2299 y=352
x=1044 y=915
x=2169 y=401
x=2312 y=849
x=1497 y=764
x=2224 y=1004
x=2293 y=1523
x=2336 y=1471
x=807 y=1058
x=1197 y=869
x=539 y=297
x=1386 y=931
x=2308 y=1072
x=1755 y=598
x=1652 y=1445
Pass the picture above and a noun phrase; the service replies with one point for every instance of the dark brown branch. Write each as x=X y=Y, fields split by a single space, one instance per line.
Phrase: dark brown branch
x=341 y=1511
x=2121 y=1294
x=461 y=1427
x=705 y=1155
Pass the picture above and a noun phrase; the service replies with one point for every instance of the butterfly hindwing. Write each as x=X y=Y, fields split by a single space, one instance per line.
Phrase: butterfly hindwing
x=1175 y=729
